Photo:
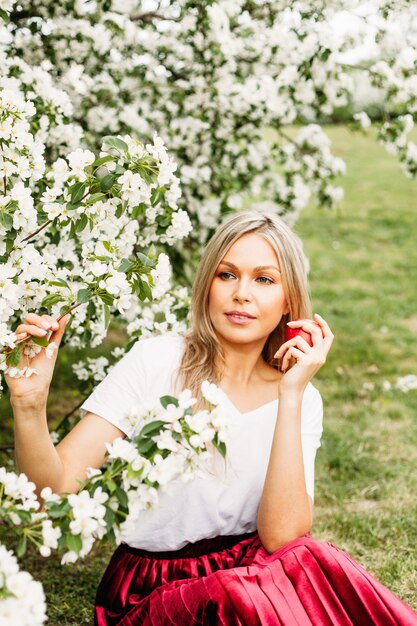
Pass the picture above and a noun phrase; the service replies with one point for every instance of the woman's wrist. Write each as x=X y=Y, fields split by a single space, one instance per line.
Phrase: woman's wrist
x=291 y=395
x=29 y=402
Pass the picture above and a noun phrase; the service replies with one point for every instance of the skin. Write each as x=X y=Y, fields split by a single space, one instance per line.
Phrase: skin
x=285 y=510
x=238 y=285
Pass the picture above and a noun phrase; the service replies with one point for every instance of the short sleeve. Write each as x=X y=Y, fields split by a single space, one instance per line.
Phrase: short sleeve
x=311 y=431
x=140 y=378
x=121 y=392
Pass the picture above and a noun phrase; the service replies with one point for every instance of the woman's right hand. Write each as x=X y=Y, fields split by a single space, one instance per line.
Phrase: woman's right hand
x=35 y=388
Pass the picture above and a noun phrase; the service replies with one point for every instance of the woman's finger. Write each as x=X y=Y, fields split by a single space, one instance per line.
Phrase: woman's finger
x=59 y=333
x=31 y=329
x=327 y=333
x=292 y=352
x=43 y=321
x=298 y=341
x=310 y=326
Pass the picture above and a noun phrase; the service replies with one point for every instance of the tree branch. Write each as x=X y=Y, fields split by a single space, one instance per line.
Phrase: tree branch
x=150 y=15
x=37 y=231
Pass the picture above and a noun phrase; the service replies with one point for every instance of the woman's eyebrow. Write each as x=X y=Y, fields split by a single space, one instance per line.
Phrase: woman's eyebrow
x=256 y=269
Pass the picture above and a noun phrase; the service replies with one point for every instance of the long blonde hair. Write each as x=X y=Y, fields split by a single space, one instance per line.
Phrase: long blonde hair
x=203 y=357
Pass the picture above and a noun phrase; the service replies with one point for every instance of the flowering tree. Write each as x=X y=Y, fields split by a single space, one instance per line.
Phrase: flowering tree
x=210 y=77
x=95 y=207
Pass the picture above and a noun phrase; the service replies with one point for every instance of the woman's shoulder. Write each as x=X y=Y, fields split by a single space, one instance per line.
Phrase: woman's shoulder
x=159 y=349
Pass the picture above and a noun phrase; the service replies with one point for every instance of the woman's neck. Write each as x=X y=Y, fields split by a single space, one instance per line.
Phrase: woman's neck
x=243 y=364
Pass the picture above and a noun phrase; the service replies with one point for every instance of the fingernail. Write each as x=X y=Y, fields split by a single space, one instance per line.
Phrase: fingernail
x=46 y=325
x=43 y=332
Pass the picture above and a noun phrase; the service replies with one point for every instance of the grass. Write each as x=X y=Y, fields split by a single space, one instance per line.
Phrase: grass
x=362 y=262
x=362 y=257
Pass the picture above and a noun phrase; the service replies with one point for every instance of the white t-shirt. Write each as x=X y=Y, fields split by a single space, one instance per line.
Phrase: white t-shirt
x=213 y=505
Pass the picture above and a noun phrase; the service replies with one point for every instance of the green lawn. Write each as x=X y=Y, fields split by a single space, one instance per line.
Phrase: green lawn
x=363 y=281
x=363 y=274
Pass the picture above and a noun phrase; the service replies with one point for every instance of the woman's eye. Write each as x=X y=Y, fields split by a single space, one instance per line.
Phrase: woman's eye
x=265 y=279
x=225 y=275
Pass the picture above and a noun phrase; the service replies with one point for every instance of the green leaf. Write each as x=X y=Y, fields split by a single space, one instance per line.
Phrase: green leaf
x=10 y=243
x=156 y=195
x=25 y=516
x=77 y=192
x=145 y=291
x=125 y=265
x=119 y=170
x=107 y=298
x=5 y=17
x=57 y=513
x=51 y=299
x=152 y=253
x=14 y=357
x=74 y=543
x=107 y=182
x=107 y=245
x=109 y=518
x=22 y=545
x=6 y=220
x=146 y=447
x=103 y=160
x=221 y=447
x=122 y=497
x=81 y=223
x=95 y=197
x=40 y=341
x=59 y=282
x=145 y=260
x=84 y=295
x=106 y=312
x=165 y=400
x=151 y=429
x=115 y=142
x=111 y=485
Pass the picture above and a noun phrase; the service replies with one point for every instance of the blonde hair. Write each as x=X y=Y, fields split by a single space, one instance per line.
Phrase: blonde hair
x=203 y=357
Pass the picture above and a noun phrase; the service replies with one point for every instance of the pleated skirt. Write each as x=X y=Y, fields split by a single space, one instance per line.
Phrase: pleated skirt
x=233 y=581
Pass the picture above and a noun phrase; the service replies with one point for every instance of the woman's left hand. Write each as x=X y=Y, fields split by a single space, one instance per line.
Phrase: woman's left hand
x=309 y=359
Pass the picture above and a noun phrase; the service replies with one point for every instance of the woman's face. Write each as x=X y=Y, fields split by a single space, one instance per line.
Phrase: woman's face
x=248 y=280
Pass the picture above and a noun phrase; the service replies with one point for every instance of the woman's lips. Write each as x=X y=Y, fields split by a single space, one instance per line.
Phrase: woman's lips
x=236 y=319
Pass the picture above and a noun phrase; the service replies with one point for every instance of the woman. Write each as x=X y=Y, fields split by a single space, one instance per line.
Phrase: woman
x=232 y=547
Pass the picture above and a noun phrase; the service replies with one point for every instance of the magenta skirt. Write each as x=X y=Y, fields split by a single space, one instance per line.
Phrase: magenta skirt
x=233 y=581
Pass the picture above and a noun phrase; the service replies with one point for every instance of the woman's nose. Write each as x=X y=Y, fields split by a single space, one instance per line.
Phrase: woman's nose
x=242 y=292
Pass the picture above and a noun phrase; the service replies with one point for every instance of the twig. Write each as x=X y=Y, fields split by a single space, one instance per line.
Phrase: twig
x=147 y=17
x=37 y=231
x=356 y=66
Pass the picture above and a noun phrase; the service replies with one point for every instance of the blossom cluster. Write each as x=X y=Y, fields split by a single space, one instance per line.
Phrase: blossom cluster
x=211 y=78
x=169 y=313
x=168 y=443
x=22 y=599
x=96 y=214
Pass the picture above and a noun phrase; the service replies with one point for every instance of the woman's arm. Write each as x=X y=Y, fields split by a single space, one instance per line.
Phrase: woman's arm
x=286 y=510
x=36 y=456
x=62 y=466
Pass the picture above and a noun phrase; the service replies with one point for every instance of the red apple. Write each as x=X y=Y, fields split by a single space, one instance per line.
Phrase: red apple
x=290 y=333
